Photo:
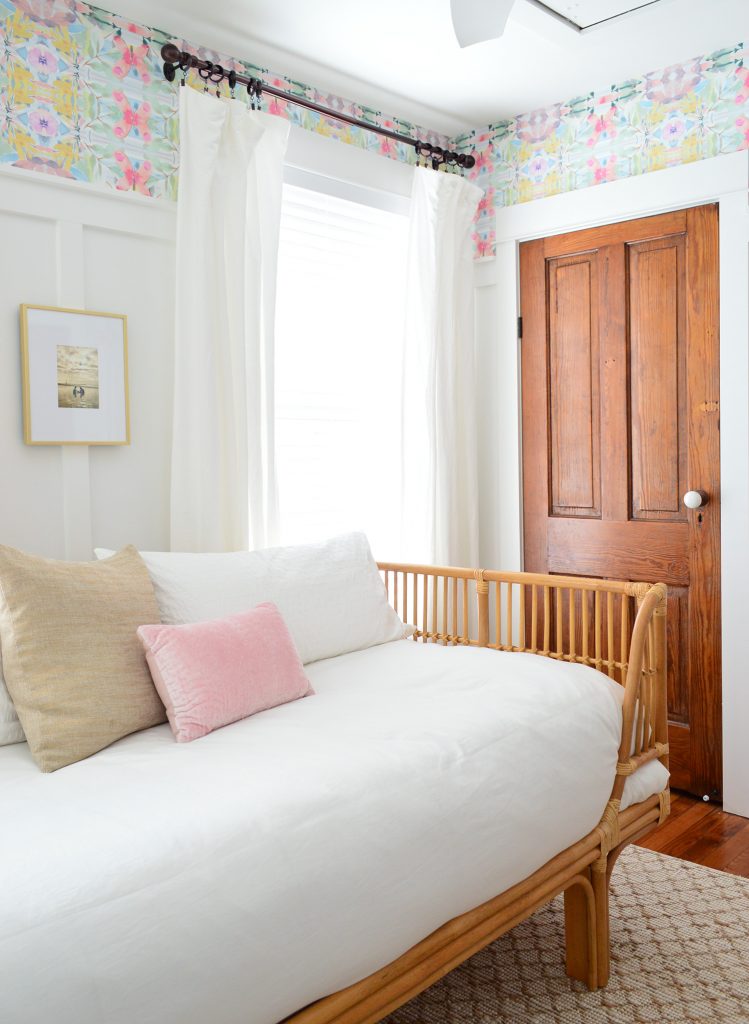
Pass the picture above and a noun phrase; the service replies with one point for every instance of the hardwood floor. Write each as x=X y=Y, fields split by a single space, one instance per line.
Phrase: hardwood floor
x=703 y=833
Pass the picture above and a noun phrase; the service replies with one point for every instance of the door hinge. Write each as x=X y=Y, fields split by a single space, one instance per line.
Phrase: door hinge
x=520 y=327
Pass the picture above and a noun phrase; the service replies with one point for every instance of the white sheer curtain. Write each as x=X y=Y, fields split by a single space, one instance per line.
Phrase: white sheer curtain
x=440 y=476
x=223 y=488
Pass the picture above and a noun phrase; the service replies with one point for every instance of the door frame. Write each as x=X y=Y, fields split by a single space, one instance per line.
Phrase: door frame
x=723 y=180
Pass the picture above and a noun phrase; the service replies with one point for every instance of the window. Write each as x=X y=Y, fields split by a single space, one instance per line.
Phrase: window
x=339 y=340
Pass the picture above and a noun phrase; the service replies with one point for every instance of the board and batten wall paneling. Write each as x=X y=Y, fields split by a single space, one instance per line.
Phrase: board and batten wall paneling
x=32 y=489
x=67 y=244
x=135 y=478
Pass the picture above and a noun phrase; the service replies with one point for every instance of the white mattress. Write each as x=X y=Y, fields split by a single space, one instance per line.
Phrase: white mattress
x=241 y=876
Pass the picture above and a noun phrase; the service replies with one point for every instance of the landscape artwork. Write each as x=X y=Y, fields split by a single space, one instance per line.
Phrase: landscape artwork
x=77 y=377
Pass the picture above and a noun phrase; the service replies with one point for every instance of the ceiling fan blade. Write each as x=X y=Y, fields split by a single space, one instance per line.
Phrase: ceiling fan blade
x=475 y=21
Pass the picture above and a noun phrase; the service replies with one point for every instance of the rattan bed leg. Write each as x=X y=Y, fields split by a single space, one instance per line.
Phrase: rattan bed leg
x=580 y=928
x=601 y=878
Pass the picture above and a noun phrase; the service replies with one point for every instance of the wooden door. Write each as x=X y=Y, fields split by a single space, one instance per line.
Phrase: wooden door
x=620 y=419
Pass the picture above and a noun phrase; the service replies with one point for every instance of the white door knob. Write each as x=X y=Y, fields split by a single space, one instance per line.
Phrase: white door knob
x=695 y=499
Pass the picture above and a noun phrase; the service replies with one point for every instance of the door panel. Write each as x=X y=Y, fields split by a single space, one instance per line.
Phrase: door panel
x=617 y=551
x=657 y=374
x=573 y=392
x=620 y=418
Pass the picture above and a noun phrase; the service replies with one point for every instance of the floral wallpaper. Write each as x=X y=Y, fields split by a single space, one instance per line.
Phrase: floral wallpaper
x=682 y=113
x=82 y=95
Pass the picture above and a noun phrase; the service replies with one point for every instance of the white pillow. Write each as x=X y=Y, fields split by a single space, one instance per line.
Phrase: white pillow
x=330 y=595
x=10 y=727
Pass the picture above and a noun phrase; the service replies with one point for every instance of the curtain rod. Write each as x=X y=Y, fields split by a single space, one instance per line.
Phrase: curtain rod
x=175 y=58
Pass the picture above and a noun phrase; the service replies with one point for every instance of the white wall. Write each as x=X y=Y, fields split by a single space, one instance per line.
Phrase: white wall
x=70 y=244
x=724 y=180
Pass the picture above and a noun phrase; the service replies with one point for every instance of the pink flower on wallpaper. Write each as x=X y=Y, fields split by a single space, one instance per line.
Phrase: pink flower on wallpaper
x=134 y=179
x=604 y=126
x=42 y=60
x=386 y=146
x=484 y=243
x=603 y=169
x=743 y=124
x=133 y=119
x=132 y=59
x=277 y=106
x=673 y=83
x=486 y=204
x=484 y=161
x=52 y=13
x=743 y=74
x=44 y=122
x=538 y=125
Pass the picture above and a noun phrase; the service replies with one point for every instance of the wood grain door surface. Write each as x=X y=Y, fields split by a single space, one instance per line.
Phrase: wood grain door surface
x=620 y=419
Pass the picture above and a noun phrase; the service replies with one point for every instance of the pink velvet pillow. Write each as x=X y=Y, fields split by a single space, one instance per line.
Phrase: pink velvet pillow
x=209 y=674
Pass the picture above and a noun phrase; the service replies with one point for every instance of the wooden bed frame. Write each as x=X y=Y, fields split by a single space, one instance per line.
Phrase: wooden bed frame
x=617 y=628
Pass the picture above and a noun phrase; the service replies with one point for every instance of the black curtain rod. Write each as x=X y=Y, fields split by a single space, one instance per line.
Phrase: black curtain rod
x=175 y=58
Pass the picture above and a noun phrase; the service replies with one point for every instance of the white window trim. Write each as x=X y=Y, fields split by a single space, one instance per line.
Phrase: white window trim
x=377 y=198
x=324 y=165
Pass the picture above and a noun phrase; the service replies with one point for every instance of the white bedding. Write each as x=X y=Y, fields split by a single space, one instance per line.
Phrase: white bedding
x=241 y=876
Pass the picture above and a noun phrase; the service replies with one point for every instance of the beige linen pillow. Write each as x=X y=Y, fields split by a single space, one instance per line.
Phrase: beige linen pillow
x=74 y=666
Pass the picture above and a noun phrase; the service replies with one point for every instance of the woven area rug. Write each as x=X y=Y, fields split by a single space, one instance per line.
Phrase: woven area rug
x=680 y=953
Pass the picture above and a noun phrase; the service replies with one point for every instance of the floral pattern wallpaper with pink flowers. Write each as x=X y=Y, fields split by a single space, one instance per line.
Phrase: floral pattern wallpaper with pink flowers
x=82 y=96
x=679 y=114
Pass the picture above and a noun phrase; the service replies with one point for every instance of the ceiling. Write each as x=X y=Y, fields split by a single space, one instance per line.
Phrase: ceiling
x=401 y=56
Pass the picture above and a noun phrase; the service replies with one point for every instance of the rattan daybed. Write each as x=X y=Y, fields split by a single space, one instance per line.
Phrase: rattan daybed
x=620 y=630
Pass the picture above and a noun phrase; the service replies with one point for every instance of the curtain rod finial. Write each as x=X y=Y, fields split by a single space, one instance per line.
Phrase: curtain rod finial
x=171 y=53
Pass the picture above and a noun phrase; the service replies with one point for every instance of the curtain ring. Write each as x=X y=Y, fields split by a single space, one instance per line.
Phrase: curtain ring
x=184 y=64
x=205 y=74
x=424 y=151
x=217 y=76
x=232 y=82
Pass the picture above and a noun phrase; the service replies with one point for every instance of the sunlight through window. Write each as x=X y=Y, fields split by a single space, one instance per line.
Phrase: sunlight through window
x=339 y=338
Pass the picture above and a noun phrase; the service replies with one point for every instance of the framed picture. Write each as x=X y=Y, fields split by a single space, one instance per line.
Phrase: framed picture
x=74 y=366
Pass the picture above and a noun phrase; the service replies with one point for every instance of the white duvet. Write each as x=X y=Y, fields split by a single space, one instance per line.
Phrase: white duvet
x=239 y=877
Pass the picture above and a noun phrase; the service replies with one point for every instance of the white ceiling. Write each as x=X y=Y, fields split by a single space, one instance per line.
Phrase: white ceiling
x=401 y=56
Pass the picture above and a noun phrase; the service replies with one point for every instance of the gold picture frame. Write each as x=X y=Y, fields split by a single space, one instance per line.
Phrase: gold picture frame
x=74 y=367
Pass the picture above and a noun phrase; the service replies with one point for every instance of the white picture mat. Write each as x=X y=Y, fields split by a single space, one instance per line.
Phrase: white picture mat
x=48 y=328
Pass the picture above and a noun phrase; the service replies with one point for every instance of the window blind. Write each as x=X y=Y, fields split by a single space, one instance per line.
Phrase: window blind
x=339 y=338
